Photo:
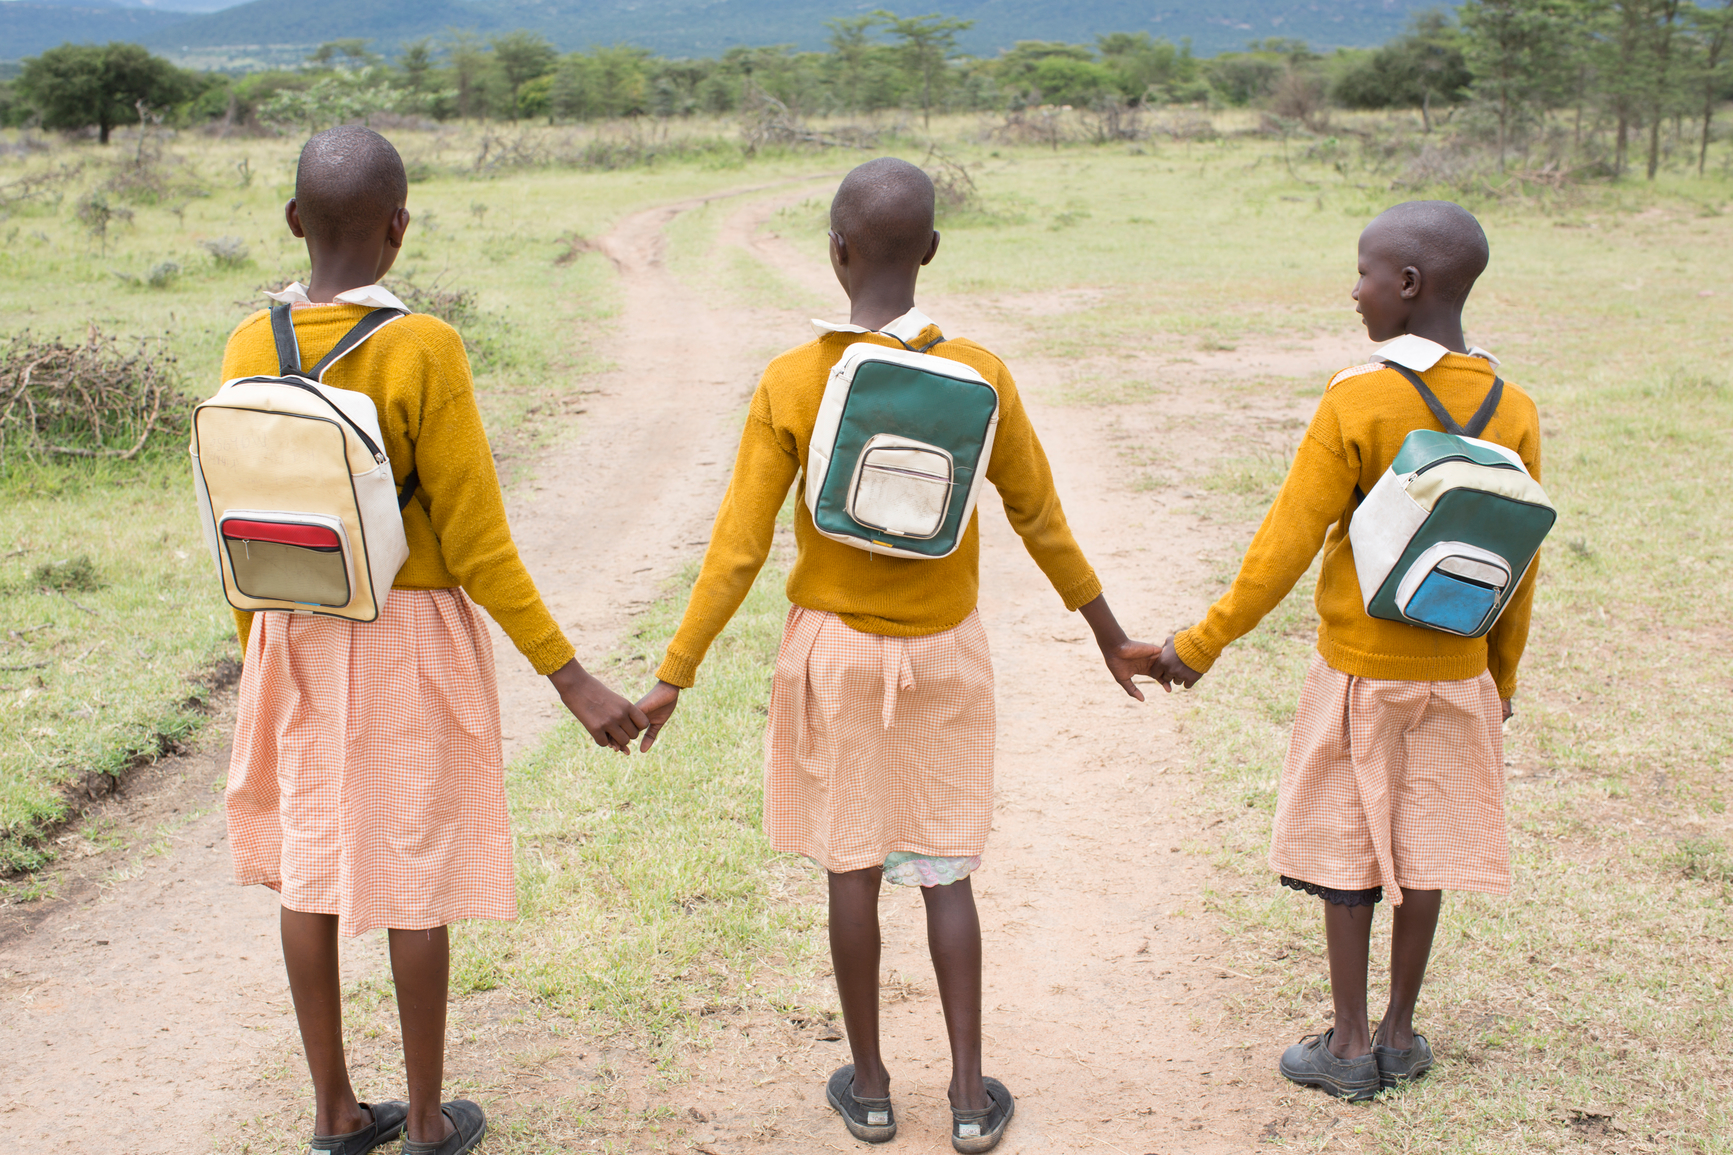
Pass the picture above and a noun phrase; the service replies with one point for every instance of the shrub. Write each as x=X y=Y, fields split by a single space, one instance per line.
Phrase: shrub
x=90 y=399
x=229 y=252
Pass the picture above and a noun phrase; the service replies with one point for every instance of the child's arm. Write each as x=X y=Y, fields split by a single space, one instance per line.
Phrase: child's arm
x=461 y=493
x=1508 y=637
x=740 y=539
x=1019 y=471
x=1313 y=498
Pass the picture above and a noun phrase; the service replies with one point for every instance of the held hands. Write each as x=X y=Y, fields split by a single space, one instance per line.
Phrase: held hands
x=658 y=706
x=1169 y=669
x=1125 y=657
x=611 y=720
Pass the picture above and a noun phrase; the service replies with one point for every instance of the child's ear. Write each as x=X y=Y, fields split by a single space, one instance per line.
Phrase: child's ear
x=398 y=226
x=1411 y=281
x=932 y=249
x=838 y=248
x=293 y=216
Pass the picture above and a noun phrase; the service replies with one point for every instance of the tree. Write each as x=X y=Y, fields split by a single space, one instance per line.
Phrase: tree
x=1516 y=51
x=416 y=64
x=925 y=45
x=1147 y=67
x=353 y=50
x=522 y=56
x=78 y=85
x=1424 y=65
x=1712 y=28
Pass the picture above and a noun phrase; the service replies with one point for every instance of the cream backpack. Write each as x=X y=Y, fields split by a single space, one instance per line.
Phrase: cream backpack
x=295 y=491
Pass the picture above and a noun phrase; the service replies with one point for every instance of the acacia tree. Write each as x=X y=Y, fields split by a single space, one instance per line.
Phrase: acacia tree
x=78 y=85
x=1713 y=30
x=925 y=45
x=1516 y=51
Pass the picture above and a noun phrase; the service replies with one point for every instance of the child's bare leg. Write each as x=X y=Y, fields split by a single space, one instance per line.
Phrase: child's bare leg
x=1410 y=948
x=1348 y=934
x=421 y=969
x=854 y=956
x=310 y=957
x=954 y=939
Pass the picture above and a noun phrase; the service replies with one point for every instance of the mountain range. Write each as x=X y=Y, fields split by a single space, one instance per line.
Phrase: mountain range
x=179 y=28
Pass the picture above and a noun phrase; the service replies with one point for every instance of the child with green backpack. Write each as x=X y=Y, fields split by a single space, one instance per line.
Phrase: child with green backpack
x=880 y=758
x=1393 y=784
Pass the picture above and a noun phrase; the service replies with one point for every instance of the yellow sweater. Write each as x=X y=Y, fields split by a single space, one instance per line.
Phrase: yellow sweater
x=417 y=373
x=898 y=597
x=1353 y=438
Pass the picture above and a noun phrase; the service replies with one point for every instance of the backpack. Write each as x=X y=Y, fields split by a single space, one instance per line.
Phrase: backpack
x=295 y=493
x=899 y=450
x=1449 y=531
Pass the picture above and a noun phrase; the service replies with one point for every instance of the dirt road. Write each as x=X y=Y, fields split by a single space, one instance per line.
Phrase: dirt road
x=140 y=1014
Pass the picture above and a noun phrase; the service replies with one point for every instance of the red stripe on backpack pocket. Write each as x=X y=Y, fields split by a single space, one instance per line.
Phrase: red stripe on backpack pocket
x=282 y=533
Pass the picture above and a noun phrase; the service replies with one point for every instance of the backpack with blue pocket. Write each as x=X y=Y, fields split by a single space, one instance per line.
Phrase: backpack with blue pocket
x=899 y=450
x=1447 y=534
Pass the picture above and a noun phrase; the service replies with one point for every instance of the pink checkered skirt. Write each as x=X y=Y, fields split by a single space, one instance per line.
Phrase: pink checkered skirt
x=879 y=744
x=366 y=780
x=1394 y=784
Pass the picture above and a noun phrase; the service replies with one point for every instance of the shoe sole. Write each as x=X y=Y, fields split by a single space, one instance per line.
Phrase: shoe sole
x=1391 y=1082
x=1352 y=1092
x=861 y=1131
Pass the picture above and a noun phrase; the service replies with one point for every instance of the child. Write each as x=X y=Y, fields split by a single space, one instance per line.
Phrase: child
x=1394 y=779
x=880 y=756
x=366 y=786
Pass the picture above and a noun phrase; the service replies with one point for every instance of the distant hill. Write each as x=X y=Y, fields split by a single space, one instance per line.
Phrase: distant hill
x=28 y=28
x=690 y=27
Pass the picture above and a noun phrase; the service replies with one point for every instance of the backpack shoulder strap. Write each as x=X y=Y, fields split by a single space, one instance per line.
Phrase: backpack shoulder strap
x=1476 y=424
x=283 y=332
x=364 y=328
x=939 y=340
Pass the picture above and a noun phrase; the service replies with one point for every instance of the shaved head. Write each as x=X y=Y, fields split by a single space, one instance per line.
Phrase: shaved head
x=884 y=210
x=349 y=183
x=1440 y=238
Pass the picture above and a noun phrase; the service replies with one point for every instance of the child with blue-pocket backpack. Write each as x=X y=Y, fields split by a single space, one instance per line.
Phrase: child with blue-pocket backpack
x=1393 y=785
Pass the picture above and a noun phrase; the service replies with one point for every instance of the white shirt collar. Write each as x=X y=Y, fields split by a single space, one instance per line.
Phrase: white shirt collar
x=370 y=295
x=1421 y=353
x=905 y=328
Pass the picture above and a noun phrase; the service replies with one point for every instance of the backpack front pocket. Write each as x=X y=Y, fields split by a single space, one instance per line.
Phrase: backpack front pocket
x=901 y=487
x=289 y=557
x=1454 y=587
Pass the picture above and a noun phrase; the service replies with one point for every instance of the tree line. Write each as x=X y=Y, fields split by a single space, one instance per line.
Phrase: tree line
x=1614 y=74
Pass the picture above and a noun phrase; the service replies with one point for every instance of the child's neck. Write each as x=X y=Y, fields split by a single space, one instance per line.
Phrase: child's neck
x=1443 y=327
x=875 y=305
x=339 y=271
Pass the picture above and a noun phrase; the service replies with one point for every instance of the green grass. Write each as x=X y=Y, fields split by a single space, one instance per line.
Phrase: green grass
x=649 y=895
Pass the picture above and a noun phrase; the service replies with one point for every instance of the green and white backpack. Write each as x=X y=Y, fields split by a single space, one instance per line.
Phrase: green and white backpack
x=900 y=450
x=1449 y=531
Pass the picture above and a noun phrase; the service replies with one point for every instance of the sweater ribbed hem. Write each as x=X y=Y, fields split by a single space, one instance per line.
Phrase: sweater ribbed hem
x=678 y=670
x=1081 y=592
x=1396 y=668
x=1192 y=652
x=550 y=653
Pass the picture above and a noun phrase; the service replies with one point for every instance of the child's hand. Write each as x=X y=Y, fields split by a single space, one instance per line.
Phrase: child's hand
x=1124 y=657
x=611 y=720
x=1168 y=668
x=1509 y=709
x=1127 y=658
x=658 y=706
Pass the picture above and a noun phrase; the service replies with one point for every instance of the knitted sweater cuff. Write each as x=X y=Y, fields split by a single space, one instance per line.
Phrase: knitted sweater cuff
x=678 y=670
x=550 y=653
x=1191 y=651
x=1081 y=592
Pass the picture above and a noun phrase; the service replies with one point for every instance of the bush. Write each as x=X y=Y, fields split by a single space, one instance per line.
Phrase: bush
x=229 y=252
x=93 y=399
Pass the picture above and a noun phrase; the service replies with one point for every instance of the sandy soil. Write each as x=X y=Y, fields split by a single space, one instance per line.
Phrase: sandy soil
x=145 y=1006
